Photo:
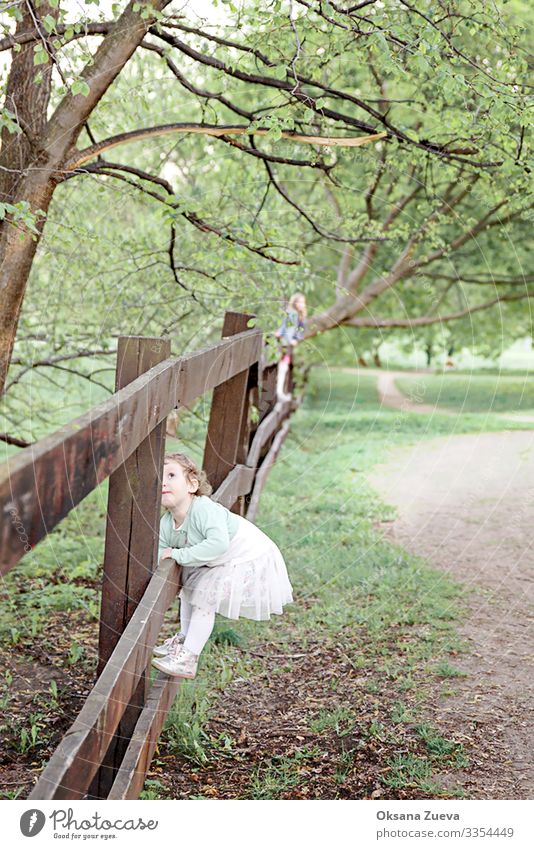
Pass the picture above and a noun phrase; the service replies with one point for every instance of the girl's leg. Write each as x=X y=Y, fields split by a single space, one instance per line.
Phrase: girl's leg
x=185 y=616
x=283 y=367
x=199 y=630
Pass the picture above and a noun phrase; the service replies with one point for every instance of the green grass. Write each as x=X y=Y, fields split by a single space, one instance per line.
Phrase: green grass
x=473 y=393
x=444 y=669
x=280 y=774
x=341 y=720
x=439 y=746
x=409 y=771
x=485 y=371
x=61 y=574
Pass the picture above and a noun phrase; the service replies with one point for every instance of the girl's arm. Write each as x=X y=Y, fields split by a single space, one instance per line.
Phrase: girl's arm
x=211 y=523
x=164 y=541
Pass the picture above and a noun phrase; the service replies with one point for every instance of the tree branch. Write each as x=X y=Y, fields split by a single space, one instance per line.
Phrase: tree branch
x=310 y=101
x=20 y=443
x=9 y=41
x=80 y=157
x=194 y=219
x=358 y=274
x=483 y=224
x=53 y=361
x=425 y=320
x=499 y=280
x=316 y=227
x=207 y=95
x=117 y=47
x=343 y=269
x=269 y=157
x=455 y=49
x=173 y=267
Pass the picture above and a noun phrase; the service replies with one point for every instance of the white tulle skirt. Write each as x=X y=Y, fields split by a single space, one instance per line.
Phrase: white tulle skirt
x=249 y=580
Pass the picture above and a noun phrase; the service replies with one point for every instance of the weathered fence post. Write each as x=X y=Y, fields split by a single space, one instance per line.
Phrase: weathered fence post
x=267 y=398
x=131 y=545
x=229 y=426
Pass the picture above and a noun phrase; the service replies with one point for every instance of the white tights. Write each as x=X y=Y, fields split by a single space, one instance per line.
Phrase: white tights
x=281 y=373
x=196 y=624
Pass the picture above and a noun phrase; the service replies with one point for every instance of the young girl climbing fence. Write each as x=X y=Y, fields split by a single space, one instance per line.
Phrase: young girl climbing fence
x=229 y=566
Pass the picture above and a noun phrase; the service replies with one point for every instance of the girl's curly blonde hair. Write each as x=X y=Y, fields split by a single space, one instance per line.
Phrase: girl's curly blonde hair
x=191 y=470
x=292 y=303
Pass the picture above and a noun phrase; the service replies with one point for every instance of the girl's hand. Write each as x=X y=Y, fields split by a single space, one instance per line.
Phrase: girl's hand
x=167 y=552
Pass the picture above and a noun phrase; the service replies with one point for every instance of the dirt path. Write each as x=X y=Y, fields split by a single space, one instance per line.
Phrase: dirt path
x=466 y=504
x=391 y=396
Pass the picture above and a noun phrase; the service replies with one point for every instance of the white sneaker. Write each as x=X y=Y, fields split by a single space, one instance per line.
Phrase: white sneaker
x=165 y=648
x=180 y=664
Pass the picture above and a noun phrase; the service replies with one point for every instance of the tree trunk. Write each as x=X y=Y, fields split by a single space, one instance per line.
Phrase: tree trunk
x=17 y=251
x=27 y=98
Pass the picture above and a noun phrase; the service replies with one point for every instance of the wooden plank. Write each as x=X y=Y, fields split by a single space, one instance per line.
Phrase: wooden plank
x=237 y=483
x=268 y=426
x=133 y=508
x=136 y=762
x=264 y=470
x=78 y=756
x=42 y=483
x=131 y=542
x=206 y=370
x=228 y=417
x=268 y=389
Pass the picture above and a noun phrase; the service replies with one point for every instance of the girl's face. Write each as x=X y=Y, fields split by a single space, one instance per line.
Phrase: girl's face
x=176 y=489
x=300 y=304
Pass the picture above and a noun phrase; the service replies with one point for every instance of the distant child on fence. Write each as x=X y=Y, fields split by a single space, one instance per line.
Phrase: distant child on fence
x=290 y=333
x=229 y=566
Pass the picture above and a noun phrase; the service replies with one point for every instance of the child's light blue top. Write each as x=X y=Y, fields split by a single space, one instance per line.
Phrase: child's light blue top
x=204 y=535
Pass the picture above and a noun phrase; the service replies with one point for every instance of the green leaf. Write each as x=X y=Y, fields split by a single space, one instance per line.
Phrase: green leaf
x=275 y=134
x=49 y=23
x=422 y=63
x=40 y=56
x=80 y=87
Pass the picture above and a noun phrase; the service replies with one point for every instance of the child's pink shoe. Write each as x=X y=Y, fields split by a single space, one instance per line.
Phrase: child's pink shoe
x=173 y=642
x=180 y=664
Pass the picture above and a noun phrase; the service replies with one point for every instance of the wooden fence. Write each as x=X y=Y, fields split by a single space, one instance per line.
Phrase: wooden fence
x=107 y=751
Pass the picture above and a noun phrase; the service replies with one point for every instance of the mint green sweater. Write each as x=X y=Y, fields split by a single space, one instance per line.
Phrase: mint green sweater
x=204 y=535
